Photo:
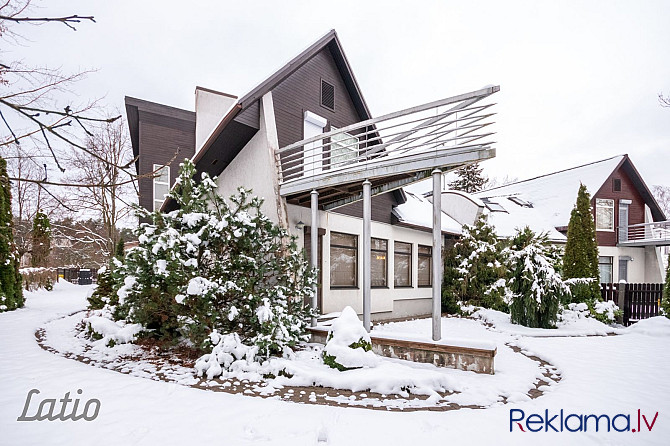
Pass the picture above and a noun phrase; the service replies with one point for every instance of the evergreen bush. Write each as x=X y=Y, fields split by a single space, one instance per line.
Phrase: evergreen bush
x=536 y=288
x=215 y=266
x=665 y=305
x=41 y=240
x=11 y=292
x=581 y=250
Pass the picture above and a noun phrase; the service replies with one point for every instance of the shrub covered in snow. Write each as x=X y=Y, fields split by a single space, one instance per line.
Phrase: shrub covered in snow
x=474 y=270
x=38 y=278
x=101 y=327
x=215 y=265
x=606 y=312
x=535 y=285
x=11 y=293
x=348 y=345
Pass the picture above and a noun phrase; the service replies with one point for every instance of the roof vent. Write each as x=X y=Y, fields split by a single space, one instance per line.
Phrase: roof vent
x=327 y=95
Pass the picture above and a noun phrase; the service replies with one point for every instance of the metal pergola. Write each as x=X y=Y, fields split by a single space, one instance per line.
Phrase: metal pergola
x=382 y=154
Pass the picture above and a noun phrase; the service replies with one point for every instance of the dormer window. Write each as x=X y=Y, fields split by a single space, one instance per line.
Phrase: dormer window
x=327 y=95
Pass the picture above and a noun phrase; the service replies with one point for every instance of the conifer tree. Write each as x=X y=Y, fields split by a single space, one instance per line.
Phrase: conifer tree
x=536 y=288
x=119 y=251
x=11 y=293
x=666 y=291
x=473 y=269
x=470 y=179
x=41 y=240
x=581 y=250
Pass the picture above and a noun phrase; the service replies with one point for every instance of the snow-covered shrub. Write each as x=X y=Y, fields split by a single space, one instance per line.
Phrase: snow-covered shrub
x=536 y=288
x=216 y=265
x=100 y=326
x=606 y=312
x=228 y=353
x=348 y=345
x=103 y=293
x=38 y=278
x=581 y=290
x=474 y=270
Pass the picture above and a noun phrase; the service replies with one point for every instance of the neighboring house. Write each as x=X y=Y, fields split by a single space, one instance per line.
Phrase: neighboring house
x=630 y=225
x=305 y=141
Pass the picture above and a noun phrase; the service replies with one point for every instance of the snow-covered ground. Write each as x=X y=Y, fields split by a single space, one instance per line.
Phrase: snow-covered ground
x=600 y=375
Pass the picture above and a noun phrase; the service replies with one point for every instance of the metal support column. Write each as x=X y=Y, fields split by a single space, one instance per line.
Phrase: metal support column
x=314 y=236
x=367 y=189
x=437 y=254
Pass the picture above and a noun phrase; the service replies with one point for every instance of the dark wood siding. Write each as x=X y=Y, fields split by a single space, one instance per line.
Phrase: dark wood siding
x=162 y=138
x=628 y=192
x=380 y=209
x=301 y=92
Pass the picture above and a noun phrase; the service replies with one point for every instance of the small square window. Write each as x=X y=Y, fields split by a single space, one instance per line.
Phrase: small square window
x=617 y=185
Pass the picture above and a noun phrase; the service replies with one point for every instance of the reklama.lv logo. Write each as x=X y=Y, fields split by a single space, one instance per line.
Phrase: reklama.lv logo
x=573 y=422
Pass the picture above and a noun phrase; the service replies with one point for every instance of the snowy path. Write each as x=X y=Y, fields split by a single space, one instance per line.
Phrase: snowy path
x=611 y=375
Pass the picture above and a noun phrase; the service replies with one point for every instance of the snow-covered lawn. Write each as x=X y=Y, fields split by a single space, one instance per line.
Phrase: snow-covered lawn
x=600 y=375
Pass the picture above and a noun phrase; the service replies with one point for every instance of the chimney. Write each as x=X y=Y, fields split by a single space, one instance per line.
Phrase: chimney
x=210 y=107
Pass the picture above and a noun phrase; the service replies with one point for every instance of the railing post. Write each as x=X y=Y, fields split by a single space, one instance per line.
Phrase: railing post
x=314 y=251
x=621 y=302
x=437 y=254
x=367 y=245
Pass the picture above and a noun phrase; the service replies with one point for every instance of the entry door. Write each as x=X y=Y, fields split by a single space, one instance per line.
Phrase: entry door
x=313 y=125
x=623 y=221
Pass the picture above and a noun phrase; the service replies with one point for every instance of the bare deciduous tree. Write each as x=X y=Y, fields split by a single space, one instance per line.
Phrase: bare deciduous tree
x=110 y=203
x=662 y=195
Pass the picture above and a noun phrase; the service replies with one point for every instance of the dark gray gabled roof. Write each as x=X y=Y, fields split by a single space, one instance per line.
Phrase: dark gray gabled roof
x=242 y=121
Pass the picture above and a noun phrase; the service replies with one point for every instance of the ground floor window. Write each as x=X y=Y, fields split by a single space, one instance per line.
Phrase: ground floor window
x=425 y=265
x=606 y=267
x=343 y=260
x=378 y=264
x=402 y=261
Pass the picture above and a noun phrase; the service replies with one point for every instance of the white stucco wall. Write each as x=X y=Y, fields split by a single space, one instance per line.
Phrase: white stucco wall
x=386 y=302
x=210 y=108
x=254 y=167
x=640 y=269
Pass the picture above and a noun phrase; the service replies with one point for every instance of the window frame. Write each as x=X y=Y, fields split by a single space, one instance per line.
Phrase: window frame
x=157 y=168
x=386 y=261
x=429 y=257
x=342 y=142
x=600 y=205
x=397 y=254
x=606 y=261
x=355 y=252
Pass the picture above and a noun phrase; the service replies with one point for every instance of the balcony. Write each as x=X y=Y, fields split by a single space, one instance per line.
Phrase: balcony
x=391 y=151
x=645 y=234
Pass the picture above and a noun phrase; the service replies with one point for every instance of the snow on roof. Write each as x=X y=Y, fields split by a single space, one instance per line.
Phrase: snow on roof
x=553 y=195
x=418 y=211
x=516 y=216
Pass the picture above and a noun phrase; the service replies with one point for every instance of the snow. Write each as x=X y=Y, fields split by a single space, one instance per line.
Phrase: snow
x=553 y=195
x=344 y=331
x=418 y=211
x=600 y=375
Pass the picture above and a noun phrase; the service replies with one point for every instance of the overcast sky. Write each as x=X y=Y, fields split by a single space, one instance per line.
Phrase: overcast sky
x=579 y=79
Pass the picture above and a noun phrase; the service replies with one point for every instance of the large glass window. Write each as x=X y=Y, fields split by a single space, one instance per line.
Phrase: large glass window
x=161 y=184
x=378 y=264
x=606 y=267
x=425 y=265
x=604 y=214
x=343 y=260
x=402 y=260
x=344 y=147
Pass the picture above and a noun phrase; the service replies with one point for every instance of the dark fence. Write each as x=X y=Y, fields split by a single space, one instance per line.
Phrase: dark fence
x=79 y=276
x=637 y=300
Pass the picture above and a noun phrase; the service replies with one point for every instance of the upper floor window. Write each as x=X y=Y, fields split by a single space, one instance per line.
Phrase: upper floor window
x=402 y=259
x=161 y=184
x=604 y=214
x=343 y=260
x=344 y=147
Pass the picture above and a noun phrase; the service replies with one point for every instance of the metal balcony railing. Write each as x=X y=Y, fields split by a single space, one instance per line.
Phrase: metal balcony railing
x=645 y=234
x=454 y=125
